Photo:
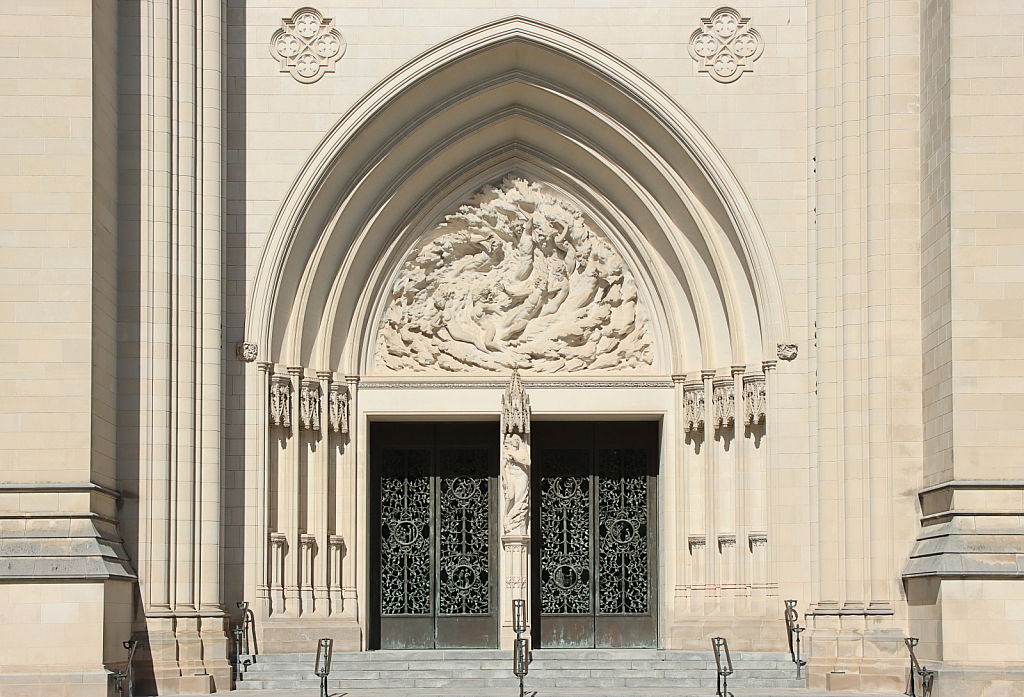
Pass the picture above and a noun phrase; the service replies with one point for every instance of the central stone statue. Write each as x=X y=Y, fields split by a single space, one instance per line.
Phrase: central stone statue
x=517 y=278
x=515 y=458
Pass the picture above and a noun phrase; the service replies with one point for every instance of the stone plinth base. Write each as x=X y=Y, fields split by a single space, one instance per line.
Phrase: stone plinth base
x=301 y=636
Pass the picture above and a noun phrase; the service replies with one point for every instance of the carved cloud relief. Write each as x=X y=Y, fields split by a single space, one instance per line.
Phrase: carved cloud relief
x=518 y=277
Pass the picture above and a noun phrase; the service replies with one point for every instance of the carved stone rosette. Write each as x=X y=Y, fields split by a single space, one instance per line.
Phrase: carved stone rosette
x=281 y=401
x=337 y=407
x=724 y=403
x=307 y=45
x=754 y=400
x=725 y=46
x=309 y=405
x=693 y=407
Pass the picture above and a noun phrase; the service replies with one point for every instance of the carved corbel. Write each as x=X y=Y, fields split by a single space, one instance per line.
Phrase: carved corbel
x=693 y=407
x=724 y=402
x=337 y=406
x=309 y=404
x=280 y=401
x=754 y=400
x=726 y=540
x=697 y=542
x=757 y=539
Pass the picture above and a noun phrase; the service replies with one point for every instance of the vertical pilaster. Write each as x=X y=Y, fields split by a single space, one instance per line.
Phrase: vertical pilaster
x=352 y=482
x=291 y=496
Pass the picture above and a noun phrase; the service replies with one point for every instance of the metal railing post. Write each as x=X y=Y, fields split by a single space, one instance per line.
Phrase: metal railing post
x=791 y=619
x=798 y=630
x=323 y=663
x=719 y=644
x=521 y=652
x=917 y=670
x=129 y=671
x=249 y=645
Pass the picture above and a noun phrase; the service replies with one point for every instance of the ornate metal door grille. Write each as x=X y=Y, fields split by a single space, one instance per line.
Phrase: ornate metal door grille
x=595 y=573
x=434 y=543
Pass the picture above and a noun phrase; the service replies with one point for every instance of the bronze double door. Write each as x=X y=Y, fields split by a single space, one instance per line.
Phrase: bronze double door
x=594 y=525
x=434 y=535
x=435 y=518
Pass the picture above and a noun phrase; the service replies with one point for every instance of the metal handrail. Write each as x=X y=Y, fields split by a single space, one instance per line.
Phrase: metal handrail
x=916 y=669
x=129 y=670
x=322 y=668
x=250 y=647
x=718 y=643
x=791 y=619
x=793 y=630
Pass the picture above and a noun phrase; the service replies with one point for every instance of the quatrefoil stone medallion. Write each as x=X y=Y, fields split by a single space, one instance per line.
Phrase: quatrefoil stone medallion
x=725 y=47
x=307 y=45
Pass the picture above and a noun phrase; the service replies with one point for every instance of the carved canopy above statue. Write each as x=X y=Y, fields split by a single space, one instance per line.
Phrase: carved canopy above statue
x=521 y=278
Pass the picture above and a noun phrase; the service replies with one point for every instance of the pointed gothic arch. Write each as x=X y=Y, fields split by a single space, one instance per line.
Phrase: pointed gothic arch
x=516 y=95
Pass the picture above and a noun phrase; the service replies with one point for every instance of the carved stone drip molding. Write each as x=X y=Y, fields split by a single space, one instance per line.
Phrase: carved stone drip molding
x=519 y=278
x=787 y=352
x=693 y=407
x=307 y=45
x=725 y=46
x=697 y=541
x=246 y=352
x=338 y=404
x=754 y=400
x=280 y=401
x=309 y=404
x=724 y=403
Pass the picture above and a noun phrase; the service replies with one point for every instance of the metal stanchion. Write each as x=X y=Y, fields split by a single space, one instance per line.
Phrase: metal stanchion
x=791 y=620
x=719 y=644
x=249 y=645
x=917 y=670
x=129 y=671
x=798 y=630
x=323 y=663
x=521 y=654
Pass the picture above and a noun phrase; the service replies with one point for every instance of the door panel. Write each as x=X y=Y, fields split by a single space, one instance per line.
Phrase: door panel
x=433 y=540
x=595 y=576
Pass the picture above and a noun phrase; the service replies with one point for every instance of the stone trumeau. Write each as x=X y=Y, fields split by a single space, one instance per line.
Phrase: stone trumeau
x=717 y=309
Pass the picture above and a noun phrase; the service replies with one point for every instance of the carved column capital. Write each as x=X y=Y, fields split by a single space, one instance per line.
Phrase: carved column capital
x=278 y=541
x=724 y=399
x=309 y=404
x=693 y=407
x=280 y=400
x=338 y=407
x=754 y=400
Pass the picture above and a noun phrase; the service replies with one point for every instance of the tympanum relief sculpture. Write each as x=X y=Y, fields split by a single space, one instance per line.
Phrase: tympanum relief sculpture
x=521 y=278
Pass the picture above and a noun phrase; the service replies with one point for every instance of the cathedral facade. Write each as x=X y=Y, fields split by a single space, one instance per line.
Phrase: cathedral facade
x=381 y=317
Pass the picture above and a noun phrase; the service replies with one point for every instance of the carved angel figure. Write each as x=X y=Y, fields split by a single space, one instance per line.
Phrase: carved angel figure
x=515 y=483
x=518 y=277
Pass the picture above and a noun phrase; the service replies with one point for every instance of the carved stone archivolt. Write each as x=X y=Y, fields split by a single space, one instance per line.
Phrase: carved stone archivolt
x=307 y=45
x=725 y=46
x=518 y=277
